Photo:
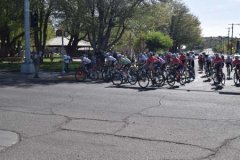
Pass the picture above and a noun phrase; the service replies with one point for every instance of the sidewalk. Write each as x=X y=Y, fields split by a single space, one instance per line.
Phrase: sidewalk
x=43 y=76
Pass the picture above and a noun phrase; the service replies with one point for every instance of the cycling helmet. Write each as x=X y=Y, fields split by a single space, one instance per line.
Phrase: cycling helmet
x=174 y=56
x=119 y=56
x=150 y=54
x=107 y=54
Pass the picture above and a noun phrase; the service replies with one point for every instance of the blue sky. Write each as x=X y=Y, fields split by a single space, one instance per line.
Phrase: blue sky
x=215 y=15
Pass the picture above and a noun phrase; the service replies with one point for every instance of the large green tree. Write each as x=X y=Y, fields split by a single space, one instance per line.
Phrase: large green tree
x=43 y=9
x=11 y=26
x=184 y=27
x=157 y=40
x=107 y=21
x=73 y=20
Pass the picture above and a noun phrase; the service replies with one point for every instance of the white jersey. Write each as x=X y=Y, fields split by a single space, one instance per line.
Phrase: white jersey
x=86 y=60
x=110 y=59
x=142 y=58
x=67 y=59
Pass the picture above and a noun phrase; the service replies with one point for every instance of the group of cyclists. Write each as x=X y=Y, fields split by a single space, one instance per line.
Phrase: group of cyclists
x=215 y=63
x=166 y=67
x=152 y=64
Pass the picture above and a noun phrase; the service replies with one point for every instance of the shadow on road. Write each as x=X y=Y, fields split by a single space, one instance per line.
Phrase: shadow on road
x=134 y=88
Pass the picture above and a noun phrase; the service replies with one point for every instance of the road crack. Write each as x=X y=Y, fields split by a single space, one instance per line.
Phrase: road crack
x=139 y=138
x=218 y=149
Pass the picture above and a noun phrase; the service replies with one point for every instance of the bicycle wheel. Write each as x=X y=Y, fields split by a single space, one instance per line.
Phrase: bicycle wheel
x=80 y=75
x=143 y=80
x=223 y=79
x=228 y=71
x=117 y=78
x=171 y=80
x=214 y=78
x=106 y=75
x=236 y=79
x=182 y=78
x=160 y=80
x=191 y=75
x=132 y=78
x=93 y=75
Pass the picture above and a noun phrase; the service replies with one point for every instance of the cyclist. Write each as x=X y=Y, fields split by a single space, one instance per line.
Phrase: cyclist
x=123 y=63
x=142 y=59
x=168 y=57
x=236 y=64
x=208 y=63
x=218 y=65
x=178 y=65
x=87 y=63
x=190 y=60
x=228 y=62
x=200 y=61
x=182 y=57
x=162 y=63
x=110 y=60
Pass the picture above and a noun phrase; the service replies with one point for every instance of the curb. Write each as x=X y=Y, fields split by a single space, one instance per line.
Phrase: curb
x=229 y=93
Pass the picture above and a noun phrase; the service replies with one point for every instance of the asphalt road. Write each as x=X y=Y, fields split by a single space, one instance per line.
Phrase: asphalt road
x=97 y=121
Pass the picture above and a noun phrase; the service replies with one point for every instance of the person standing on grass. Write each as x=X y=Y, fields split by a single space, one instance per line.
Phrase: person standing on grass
x=67 y=60
x=51 y=57
x=36 y=63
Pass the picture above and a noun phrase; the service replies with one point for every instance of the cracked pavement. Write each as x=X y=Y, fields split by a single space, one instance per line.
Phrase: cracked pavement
x=84 y=121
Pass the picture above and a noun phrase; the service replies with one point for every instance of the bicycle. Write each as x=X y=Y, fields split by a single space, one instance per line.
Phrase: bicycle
x=107 y=73
x=189 y=73
x=228 y=70
x=174 y=76
x=236 y=77
x=82 y=73
x=219 y=78
x=121 y=77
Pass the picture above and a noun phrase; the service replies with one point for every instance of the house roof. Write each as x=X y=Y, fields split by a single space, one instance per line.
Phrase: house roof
x=57 y=42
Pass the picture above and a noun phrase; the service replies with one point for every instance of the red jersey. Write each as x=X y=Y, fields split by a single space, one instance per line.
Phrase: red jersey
x=200 y=57
x=176 y=61
x=182 y=57
x=236 y=62
x=218 y=60
x=168 y=56
x=152 y=59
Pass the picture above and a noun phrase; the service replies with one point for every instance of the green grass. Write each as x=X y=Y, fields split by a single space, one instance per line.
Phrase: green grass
x=57 y=66
x=10 y=66
x=47 y=65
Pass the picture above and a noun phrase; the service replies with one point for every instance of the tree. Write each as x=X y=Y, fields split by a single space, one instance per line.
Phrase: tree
x=184 y=27
x=11 y=26
x=147 y=17
x=43 y=9
x=73 y=20
x=107 y=21
x=157 y=40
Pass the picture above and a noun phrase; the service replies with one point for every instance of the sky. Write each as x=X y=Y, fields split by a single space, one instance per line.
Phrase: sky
x=216 y=15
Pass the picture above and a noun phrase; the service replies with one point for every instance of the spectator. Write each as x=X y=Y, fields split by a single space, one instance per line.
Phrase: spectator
x=67 y=60
x=36 y=63
x=51 y=57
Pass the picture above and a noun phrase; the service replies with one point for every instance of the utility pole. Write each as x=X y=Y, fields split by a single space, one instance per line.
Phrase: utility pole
x=232 y=36
x=27 y=66
x=228 y=39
